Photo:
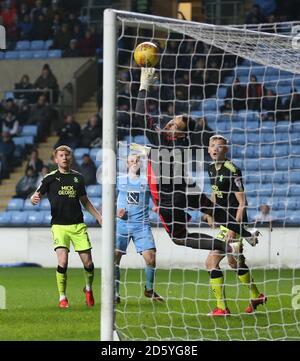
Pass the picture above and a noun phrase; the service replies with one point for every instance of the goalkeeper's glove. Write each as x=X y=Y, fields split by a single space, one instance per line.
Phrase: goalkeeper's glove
x=147 y=78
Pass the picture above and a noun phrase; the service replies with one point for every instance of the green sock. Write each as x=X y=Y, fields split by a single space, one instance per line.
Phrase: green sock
x=61 y=280
x=246 y=279
x=89 y=277
x=217 y=287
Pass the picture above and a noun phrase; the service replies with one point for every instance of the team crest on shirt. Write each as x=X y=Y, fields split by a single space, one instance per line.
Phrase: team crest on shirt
x=133 y=198
x=221 y=178
x=76 y=180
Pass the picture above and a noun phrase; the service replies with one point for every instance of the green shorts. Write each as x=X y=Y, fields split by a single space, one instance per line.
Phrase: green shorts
x=63 y=235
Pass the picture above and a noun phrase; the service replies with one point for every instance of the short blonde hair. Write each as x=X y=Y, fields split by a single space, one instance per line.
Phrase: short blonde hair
x=64 y=148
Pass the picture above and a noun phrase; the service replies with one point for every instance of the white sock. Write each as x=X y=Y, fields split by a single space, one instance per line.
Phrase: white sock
x=88 y=288
x=62 y=297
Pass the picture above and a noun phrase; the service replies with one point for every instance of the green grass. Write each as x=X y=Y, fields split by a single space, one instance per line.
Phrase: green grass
x=188 y=300
x=32 y=312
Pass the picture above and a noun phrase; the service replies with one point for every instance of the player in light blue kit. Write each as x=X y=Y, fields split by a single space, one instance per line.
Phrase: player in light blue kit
x=133 y=223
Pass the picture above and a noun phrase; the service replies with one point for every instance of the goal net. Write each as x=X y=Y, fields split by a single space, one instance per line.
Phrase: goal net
x=241 y=82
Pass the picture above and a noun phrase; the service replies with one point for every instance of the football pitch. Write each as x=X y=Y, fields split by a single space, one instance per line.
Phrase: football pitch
x=32 y=312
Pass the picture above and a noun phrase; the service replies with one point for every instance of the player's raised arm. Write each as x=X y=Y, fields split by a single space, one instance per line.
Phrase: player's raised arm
x=142 y=118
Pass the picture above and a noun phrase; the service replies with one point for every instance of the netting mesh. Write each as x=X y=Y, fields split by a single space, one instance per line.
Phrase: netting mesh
x=242 y=83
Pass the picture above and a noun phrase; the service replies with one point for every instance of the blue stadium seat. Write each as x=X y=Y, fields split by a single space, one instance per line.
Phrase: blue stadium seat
x=19 y=141
x=45 y=204
x=209 y=105
x=11 y=55
x=293 y=177
x=280 y=190
x=34 y=218
x=282 y=164
x=295 y=163
x=28 y=139
x=18 y=217
x=25 y=54
x=279 y=215
x=30 y=130
x=295 y=150
x=89 y=219
x=293 y=218
x=251 y=178
x=242 y=71
x=266 y=151
x=94 y=190
x=239 y=138
x=5 y=218
x=23 y=45
x=281 y=150
x=272 y=72
x=221 y=93
x=15 y=204
x=294 y=190
x=258 y=70
x=40 y=54
x=28 y=206
x=292 y=203
x=265 y=190
x=140 y=139
x=267 y=126
x=96 y=154
x=267 y=164
x=55 y=53
x=295 y=127
x=37 y=45
x=79 y=152
x=97 y=202
x=46 y=217
x=1 y=55
x=48 y=44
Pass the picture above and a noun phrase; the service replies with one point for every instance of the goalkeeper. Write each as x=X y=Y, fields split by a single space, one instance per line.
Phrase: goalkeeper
x=169 y=188
x=133 y=223
x=228 y=192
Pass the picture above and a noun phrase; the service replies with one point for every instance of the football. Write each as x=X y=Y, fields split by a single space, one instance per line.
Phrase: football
x=146 y=54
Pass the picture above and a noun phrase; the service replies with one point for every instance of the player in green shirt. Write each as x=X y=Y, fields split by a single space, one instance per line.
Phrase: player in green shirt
x=65 y=189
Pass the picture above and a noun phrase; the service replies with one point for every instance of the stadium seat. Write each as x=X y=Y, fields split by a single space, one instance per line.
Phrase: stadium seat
x=23 y=45
x=295 y=150
x=55 y=53
x=295 y=163
x=209 y=105
x=15 y=204
x=238 y=138
x=79 y=152
x=294 y=190
x=97 y=202
x=11 y=55
x=89 y=219
x=19 y=141
x=281 y=150
x=25 y=54
x=267 y=164
x=1 y=55
x=5 y=218
x=221 y=93
x=37 y=45
x=40 y=54
x=46 y=217
x=96 y=154
x=28 y=139
x=266 y=151
x=242 y=71
x=28 y=206
x=94 y=190
x=34 y=218
x=30 y=130
x=282 y=164
x=292 y=203
x=280 y=190
x=293 y=218
x=267 y=126
x=45 y=204
x=18 y=217
x=48 y=44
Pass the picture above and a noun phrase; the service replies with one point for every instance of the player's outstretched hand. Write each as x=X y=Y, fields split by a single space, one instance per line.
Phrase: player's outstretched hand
x=35 y=198
x=147 y=78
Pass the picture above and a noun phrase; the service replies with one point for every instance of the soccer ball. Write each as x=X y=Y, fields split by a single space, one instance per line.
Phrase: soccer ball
x=146 y=54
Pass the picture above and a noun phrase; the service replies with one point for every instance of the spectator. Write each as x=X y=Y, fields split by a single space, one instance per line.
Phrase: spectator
x=91 y=131
x=51 y=164
x=41 y=28
x=88 y=170
x=201 y=135
x=267 y=7
x=7 y=149
x=41 y=115
x=27 y=184
x=264 y=215
x=10 y=106
x=35 y=162
x=10 y=124
x=37 y=11
x=47 y=80
x=272 y=105
x=69 y=134
x=72 y=51
x=25 y=84
x=25 y=27
x=255 y=93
